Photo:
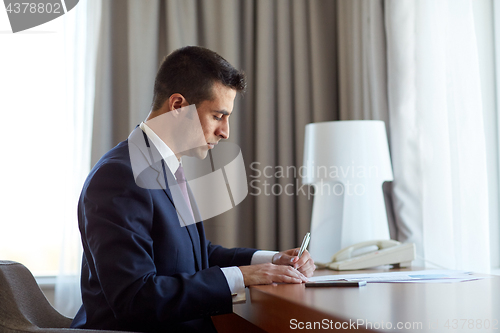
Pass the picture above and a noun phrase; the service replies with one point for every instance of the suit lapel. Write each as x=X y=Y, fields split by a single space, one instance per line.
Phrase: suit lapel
x=199 y=228
x=150 y=163
x=149 y=169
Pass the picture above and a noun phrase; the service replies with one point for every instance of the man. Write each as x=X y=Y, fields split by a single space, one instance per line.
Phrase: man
x=144 y=269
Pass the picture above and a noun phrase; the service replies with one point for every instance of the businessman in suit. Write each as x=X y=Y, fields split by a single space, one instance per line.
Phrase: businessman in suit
x=147 y=265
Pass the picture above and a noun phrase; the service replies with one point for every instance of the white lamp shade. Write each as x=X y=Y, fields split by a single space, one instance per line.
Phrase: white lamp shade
x=346 y=149
x=347 y=163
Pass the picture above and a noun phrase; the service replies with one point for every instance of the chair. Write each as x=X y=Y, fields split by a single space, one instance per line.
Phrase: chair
x=23 y=306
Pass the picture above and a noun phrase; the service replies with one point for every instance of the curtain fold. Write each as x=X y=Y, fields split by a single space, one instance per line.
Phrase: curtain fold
x=264 y=136
x=437 y=132
x=80 y=54
x=362 y=60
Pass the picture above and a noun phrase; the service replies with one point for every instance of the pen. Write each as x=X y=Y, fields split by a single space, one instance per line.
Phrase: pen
x=305 y=242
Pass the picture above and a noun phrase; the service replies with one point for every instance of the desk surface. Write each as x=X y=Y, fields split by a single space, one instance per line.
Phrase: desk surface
x=472 y=306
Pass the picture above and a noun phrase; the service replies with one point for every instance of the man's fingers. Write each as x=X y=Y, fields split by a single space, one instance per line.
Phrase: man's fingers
x=269 y=273
x=289 y=279
x=308 y=268
x=302 y=260
x=289 y=275
x=288 y=257
x=308 y=272
x=284 y=259
x=295 y=274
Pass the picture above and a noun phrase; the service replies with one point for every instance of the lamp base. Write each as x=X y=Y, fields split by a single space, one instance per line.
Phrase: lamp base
x=326 y=225
x=343 y=220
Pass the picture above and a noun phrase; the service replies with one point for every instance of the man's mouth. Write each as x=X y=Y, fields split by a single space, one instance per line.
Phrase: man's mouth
x=211 y=145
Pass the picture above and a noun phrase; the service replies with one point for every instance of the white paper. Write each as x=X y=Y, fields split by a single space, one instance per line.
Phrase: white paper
x=427 y=276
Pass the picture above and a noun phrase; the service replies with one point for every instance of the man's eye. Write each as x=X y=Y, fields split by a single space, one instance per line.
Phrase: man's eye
x=217 y=118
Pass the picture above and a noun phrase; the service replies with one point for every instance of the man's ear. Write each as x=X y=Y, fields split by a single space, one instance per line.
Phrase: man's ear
x=177 y=101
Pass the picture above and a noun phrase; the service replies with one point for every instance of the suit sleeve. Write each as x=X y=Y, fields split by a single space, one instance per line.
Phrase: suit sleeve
x=116 y=231
x=223 y=257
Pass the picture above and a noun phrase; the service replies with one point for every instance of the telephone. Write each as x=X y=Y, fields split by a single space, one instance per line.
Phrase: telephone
x=361 y=255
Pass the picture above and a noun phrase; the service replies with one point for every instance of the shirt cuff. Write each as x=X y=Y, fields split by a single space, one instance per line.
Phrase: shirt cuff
x=262 y=257
x=234 y=279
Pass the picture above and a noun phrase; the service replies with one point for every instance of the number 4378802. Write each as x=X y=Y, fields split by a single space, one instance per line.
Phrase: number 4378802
x=471 y=324
x=31 y=7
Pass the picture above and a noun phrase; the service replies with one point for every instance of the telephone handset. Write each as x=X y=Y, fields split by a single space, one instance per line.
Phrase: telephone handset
x=386 y=252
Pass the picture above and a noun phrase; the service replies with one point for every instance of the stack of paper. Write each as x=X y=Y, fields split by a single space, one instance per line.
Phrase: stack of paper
x=427 y=276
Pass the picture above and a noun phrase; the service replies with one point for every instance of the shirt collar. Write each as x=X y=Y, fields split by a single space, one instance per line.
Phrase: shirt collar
x=165 y=151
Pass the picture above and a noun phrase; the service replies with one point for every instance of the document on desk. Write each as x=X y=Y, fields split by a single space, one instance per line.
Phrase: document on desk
x=427 y=276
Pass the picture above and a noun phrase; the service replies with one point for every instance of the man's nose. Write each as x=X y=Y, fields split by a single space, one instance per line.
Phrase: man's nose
x=223 y=130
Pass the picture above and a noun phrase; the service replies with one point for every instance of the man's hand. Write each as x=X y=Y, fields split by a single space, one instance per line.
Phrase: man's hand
x=269 y=273
x=305 y=264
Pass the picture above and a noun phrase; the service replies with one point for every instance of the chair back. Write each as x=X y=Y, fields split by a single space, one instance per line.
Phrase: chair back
x=23 y=306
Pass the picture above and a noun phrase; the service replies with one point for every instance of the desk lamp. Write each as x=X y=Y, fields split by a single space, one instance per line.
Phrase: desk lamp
x=347 y=163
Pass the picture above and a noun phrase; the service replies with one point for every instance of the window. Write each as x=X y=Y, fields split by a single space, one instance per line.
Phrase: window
x=36 y=145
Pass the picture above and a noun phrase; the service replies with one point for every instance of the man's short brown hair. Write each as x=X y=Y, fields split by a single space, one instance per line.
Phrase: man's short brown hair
x=191 y=71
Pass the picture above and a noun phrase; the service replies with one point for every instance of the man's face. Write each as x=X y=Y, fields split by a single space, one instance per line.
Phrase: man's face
x=214 y=117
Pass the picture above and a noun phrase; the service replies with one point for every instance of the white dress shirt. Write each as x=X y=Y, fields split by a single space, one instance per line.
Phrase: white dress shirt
x=233 y=274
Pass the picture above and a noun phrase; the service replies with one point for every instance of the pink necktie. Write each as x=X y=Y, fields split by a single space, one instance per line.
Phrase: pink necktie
x=181 y=180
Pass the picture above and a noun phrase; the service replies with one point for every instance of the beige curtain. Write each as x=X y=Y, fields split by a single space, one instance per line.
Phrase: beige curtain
x=306 y=61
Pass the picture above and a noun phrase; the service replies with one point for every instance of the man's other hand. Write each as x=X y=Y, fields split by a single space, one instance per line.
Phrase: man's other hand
x=304 y=264
x=269 y=273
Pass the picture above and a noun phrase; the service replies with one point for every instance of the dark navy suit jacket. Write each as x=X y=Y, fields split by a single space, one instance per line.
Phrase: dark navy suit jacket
x=142 y=270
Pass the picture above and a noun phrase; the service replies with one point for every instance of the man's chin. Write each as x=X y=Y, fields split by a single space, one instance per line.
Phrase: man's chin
x=200 y=152
x=203 y=155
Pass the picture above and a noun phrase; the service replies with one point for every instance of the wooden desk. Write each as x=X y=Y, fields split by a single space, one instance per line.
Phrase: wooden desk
x=423 y=307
